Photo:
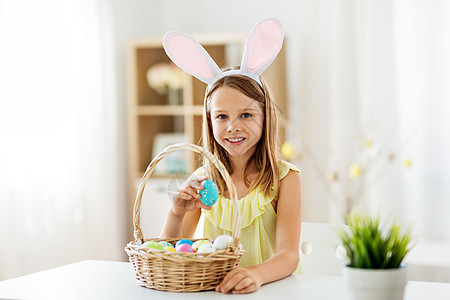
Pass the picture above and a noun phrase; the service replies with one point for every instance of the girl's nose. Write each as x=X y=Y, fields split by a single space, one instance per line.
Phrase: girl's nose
x=234 y=126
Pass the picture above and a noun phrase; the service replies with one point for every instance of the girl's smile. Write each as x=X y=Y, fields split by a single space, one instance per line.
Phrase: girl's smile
x=235 y=141
x=236 y=120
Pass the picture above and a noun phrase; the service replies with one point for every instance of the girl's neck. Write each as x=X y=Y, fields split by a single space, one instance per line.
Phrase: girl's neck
x=239 y=166
x=239 y=163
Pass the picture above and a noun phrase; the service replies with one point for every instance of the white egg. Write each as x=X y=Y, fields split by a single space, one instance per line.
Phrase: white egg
x=222 y=242
x=206 y=248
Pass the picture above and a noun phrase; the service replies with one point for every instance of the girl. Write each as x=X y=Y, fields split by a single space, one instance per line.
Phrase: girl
x=240 y=128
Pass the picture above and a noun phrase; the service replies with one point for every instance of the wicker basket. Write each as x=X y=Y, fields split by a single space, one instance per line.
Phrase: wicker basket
x=182 y=271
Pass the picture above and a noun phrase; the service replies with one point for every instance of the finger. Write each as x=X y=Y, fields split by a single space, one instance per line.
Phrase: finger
x=190 y=184
x=193 y=190
x=249 y=289
x=197 y=186
x=229 y=283
x=199 y=204
x=188 y=193
x=184 y=201
x=197 y=182
x=193 y=202
x=180 y=196
x=190 y=201
x=243 y=284
x=219 y=288
x=230 y=275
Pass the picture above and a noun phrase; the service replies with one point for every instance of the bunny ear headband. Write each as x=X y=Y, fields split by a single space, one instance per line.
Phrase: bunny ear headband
x=263 y=44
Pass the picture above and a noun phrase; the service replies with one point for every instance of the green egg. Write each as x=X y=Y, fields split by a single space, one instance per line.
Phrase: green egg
x=152 y=245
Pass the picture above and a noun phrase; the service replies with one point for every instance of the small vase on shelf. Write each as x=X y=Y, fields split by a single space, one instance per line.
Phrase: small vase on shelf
x=175 y=96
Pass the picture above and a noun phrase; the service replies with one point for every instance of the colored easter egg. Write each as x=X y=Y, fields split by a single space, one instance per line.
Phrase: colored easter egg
x=206 y=248
x=170 y=249
x=184 y=248
x=210 y=193
x=198 y=243
x=152 y=245
x=184 y=241
x=222 y=242
x=166 y=244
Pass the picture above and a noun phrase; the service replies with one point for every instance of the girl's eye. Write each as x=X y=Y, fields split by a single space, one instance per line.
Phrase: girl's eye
x=246 y=115
x=221 y=117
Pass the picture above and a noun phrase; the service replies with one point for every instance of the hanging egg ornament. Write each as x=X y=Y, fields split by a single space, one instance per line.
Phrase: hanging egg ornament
x=355 y=171
x=210 y=193
x=407 y=163
x=287 y=150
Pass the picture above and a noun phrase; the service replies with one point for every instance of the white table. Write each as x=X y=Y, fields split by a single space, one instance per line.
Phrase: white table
x=115 y=280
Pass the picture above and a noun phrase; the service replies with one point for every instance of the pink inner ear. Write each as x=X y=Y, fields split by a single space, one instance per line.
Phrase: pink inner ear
x=264 y=44
x=187 y=54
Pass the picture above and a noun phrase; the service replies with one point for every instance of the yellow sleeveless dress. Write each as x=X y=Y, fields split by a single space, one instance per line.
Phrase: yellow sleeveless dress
x=258 y=221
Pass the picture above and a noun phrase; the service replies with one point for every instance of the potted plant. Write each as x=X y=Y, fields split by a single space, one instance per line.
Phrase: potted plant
x=375 y=254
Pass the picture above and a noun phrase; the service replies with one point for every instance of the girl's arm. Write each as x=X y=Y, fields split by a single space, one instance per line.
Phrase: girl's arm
x=180 y=225
x=285 y=261
x=184 y=213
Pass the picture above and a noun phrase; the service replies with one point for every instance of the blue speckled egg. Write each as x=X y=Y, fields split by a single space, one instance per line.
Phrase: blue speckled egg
x=183 y=241
x=210 y=193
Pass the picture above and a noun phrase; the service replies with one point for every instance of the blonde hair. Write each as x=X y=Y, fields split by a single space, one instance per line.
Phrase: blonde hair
x=266 y=155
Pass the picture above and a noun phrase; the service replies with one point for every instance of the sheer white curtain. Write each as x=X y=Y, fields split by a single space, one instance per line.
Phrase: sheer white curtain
x=376 y=70
x=422 y=30
x=404 y=63
x=60 y=197
x=347 y=96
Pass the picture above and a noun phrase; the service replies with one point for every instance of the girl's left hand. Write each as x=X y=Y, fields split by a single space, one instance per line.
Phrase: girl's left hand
x=239 y=281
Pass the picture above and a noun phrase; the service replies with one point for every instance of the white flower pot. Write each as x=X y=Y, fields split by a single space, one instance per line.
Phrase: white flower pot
x=376 y=284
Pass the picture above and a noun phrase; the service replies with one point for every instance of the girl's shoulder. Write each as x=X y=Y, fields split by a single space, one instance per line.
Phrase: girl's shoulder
x=284 y=168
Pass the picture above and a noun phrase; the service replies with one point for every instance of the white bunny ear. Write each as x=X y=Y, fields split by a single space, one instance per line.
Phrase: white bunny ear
x=190 y=56
x=263 y=44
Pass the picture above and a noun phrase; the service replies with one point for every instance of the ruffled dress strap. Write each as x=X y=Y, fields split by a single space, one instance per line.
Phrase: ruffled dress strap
x=253 y=205
x=285 y=167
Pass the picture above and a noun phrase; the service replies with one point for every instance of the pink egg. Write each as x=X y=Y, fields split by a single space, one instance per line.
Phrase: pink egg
x=184 y=248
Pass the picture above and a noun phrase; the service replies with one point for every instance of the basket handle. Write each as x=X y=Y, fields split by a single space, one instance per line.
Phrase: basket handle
x=220 y=167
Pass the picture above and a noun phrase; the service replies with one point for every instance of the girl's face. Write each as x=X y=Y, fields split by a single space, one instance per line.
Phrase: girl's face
x=236 y=120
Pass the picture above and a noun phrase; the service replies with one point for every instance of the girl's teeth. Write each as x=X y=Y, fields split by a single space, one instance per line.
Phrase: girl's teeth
x=236 y=140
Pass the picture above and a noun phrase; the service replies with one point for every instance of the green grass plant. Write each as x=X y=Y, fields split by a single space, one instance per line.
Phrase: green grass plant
x=369 y=245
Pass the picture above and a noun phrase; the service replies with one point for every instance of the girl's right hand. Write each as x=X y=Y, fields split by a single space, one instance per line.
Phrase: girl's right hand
x=187 y=197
